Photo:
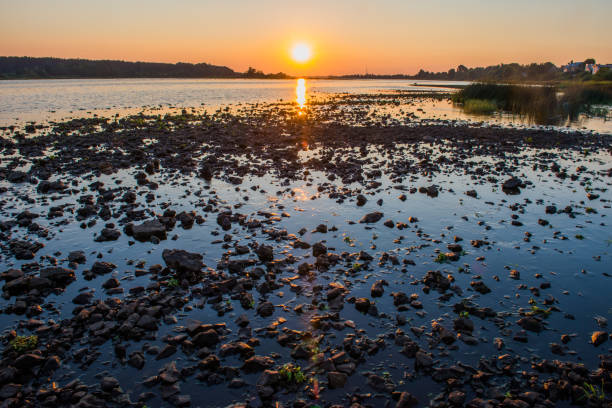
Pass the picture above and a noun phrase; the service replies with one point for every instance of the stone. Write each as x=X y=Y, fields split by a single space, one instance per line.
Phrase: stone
x=598 y=337
x=406 y=400
x=148 y=229
x=182 y=261
x=371 y=218
x=206 y=338
x=531 y=323
x=265 y=309
x=336 y=379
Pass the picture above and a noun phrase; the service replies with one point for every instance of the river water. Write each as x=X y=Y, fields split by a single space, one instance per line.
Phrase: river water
x=44 y=100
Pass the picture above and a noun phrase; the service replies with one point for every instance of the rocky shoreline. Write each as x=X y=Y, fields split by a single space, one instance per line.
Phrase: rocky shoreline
x=284 y=259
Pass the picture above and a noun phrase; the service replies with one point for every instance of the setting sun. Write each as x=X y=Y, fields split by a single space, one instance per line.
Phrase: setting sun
x=301 y=52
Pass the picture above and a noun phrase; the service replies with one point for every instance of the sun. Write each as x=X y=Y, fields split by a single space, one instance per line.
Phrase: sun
x=301 y=52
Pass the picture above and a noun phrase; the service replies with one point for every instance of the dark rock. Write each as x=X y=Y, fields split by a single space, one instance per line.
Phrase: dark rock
x=371 y=218
x=265 y=253
x=531 y=323
x=598 y=337
x=148 y=229
x=265 y=309
x=336 y=379
x=181 y=260
x=406 y=400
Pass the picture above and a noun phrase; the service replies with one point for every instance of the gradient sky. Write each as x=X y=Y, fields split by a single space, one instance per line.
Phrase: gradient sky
x=386 y=36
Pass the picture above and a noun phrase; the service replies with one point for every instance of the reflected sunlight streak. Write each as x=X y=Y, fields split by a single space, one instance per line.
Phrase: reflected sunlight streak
x=300 y=91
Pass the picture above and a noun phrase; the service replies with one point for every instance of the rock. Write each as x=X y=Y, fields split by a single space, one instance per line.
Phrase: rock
x=406 y=400
x=206 y=338
x=377 y=289
x=77 y=257
x=82 y=298
x=463 y=324
x=147 y=322
x=102 y=268
x=108 y=234
x=265 y=253
x=454 y=248
x=28 y=361
x=423 y=360
x=51 y=364
x=109 y=383
x=182 y=261
x=456 y=398
x=371 y=218
x=471 y=193
x=23 y=250
x=480 y=287
x=319 y=249
x=16 y=176
x=257 y=363
x=111 y=283
x=136 y=359
x=45 y=186
x=8 y=391
x=362 y=304
x=167 y=351
x=322 y=228
x=57 y=274
x=148 y=229
x=531 y=323
x=211 y=362
x=513 y=183
x=598 y=337
x=265 y=309
x=336 y=379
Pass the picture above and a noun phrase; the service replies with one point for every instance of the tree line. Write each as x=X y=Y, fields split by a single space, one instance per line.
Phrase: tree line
x=31 y=68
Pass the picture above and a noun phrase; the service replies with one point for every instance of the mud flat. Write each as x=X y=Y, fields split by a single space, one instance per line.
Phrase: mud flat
x=326 y=256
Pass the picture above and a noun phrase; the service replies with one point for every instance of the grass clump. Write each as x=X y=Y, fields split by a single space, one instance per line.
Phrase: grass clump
x=479 y=106
x=593 y=392
x=24 y=343
x=536 y=310
x=292 y=373
x=441 y=258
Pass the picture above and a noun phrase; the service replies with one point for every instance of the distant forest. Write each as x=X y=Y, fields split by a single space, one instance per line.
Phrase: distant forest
x=31 y=68
x=503 y=72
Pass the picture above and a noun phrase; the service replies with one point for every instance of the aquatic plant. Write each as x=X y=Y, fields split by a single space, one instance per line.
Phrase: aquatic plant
x=442 y=258
x=593 y=392
x=542 y=104
x=24 y=343
x=292 y=373
x=536 y=310
x=479 y=106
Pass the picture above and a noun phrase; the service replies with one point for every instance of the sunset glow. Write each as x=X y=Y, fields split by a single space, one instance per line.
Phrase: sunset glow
x=344 y=39
x=301 y=52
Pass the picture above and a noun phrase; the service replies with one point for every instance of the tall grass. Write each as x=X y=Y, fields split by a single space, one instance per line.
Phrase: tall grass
x=479 y=106
x=542 y=104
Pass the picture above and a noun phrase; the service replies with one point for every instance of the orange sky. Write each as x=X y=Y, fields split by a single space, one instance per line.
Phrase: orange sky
x=392 y=36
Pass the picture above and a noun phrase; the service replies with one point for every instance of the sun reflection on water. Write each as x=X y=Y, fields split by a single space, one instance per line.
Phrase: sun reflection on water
x=300 y=92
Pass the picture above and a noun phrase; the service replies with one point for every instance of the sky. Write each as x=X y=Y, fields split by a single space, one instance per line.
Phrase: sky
x=346 y=36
